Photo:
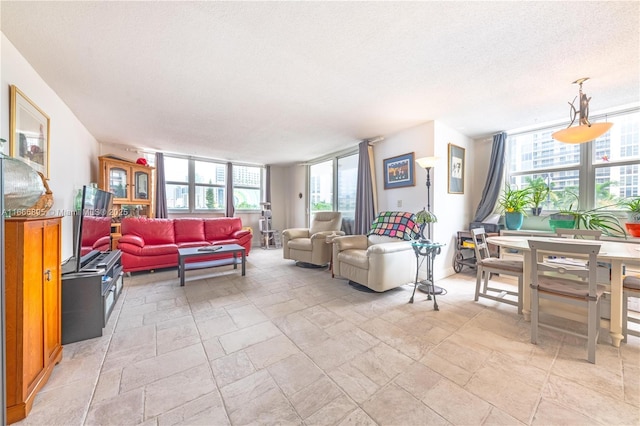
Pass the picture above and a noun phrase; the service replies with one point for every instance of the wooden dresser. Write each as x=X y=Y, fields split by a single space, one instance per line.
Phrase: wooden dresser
x=33 y=308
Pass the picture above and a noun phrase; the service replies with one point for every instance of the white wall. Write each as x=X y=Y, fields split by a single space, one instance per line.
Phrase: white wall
x=289 y=209
x=73 y=151
x=420 y=141
x=454 y=211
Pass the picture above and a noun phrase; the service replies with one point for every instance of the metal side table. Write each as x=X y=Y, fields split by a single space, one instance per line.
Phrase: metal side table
x=426 y=251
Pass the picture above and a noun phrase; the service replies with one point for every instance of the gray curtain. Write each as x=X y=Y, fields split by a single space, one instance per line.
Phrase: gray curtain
x=365 y=207
x=161 y=191
x=267 y=185
x=231 y=210
x=494 y=178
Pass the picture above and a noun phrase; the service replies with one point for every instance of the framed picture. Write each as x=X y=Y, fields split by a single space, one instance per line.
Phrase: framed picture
x=399 y=171
x=29 y=137
x=456 y=169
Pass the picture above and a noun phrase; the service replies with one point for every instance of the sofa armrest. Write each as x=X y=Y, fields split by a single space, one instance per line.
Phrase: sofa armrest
x=349 y=242
x=390 y=247
x=132 y=239
x=241 y=233
x=293 y=233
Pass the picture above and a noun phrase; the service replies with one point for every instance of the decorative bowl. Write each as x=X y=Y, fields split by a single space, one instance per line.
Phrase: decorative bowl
x=633 y=229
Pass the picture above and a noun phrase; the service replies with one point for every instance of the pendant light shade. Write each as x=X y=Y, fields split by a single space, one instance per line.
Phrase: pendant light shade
x=584 y=131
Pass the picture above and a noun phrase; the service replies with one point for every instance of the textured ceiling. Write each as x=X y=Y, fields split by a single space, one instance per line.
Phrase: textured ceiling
x=280 y=82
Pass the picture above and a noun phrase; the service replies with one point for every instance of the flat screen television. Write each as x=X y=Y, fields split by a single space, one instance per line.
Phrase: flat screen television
x=92 y=228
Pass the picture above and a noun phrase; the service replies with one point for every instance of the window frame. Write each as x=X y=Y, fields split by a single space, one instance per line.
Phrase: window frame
x=586 y=168
x=334 y=158
x=191 y=184
x=261 y=187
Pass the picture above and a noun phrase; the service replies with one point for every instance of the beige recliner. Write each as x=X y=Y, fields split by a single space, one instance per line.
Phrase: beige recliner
x=378 y=261
x=309 y=245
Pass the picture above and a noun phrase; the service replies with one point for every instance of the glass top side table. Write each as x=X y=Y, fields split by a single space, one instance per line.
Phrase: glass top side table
x=426 y=251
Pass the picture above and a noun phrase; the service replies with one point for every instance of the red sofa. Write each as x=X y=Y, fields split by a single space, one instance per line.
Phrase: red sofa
x=153 y=243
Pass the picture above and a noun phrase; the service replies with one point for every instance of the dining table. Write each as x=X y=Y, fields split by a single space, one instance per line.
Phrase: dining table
x=617 y=254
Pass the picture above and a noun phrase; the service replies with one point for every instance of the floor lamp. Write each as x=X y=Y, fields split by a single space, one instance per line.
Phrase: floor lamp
x=427 y=163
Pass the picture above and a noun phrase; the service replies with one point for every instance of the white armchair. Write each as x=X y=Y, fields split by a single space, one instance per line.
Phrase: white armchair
x=309 y=245
x=380 y=263
x=383 y=260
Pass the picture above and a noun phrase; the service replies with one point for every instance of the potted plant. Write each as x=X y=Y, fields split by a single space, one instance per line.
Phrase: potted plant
x=513 y=203
x=424 y=218
x=633 y=207
x=598 y=218
x=633 y=223
x=538 y=192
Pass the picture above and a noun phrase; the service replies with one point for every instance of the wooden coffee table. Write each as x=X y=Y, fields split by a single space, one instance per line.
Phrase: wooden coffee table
x=192 y=252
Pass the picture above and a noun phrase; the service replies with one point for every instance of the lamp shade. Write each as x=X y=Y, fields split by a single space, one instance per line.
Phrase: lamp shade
x=427 y=162
x=582 y=133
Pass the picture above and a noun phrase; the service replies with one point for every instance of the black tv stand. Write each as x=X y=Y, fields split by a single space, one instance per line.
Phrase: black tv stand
x=89 y=295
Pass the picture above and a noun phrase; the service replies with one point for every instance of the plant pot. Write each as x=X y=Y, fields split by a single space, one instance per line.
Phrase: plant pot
x=633 y=229
x=513 y=220
x=634 y=217
x=536 y=211
x=565 y=221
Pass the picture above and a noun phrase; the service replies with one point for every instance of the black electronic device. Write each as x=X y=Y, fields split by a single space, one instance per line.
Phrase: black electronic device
x=92 y=229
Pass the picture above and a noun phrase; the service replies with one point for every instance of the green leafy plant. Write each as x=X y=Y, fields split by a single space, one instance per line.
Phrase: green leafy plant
x=538 y=192
x=598 y=218
x=514 y=200
x=632 y=204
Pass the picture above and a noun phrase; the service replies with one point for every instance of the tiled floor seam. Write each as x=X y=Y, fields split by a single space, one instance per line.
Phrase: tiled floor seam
x=324 y=373
x=213 y=376
x=123 y=297
x=534 y=411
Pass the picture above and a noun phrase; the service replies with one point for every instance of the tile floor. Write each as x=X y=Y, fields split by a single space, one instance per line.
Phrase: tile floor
x=287 y=345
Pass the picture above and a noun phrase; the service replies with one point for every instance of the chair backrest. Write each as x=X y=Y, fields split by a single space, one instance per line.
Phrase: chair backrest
x=585 y=234
x=480 y=243
x=325 y=221
x=578 y=271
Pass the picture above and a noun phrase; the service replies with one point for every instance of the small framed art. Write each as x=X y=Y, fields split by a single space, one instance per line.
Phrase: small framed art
x=456 y=169
x=399 y=171
x=29 y=137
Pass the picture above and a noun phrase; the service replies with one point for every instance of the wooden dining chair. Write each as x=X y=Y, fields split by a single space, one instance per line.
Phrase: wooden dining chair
x=574 y=284
x=630 y=288
x=486 y=265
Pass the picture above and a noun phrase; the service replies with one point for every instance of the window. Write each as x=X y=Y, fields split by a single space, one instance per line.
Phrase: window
x=321 y=187
x=209 y=185
x=332 y=187
x=347 y=186
x=594 y=174
x=247 y=184
x=199 y=185
x=177 y=179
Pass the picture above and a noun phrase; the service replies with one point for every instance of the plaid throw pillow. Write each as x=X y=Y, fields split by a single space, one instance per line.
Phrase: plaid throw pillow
x=395 y=224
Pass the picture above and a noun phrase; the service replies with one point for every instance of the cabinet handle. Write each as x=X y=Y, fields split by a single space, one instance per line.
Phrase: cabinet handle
x=47 y=274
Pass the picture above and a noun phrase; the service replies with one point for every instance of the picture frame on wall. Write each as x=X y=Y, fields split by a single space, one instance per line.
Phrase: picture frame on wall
x=456 y=169
x=399 y=171
x=29 y=132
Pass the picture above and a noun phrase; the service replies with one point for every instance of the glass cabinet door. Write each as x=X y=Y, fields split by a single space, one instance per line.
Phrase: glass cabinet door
x=118 y=182
x=141 y=181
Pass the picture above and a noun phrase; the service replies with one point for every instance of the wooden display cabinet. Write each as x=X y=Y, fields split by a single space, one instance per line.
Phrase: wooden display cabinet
x=132 y=185
x=33 y=308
